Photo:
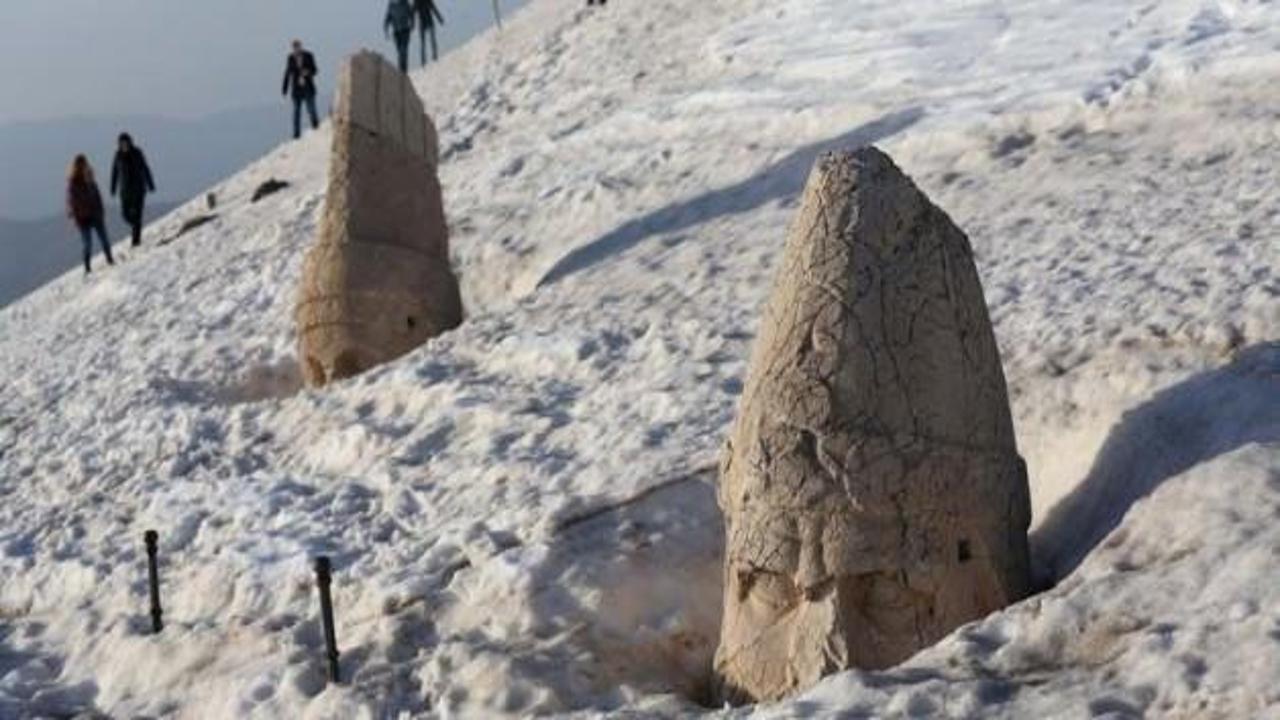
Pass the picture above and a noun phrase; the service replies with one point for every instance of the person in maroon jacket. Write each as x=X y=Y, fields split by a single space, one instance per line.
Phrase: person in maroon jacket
x=84 y=206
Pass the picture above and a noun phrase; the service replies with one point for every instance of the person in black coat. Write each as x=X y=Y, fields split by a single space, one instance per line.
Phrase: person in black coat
x=398 y=22
x=428 y=16
x=300 y=77
x=131 y=176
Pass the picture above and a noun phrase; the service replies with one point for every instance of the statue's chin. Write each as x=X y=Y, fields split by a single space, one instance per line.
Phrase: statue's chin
x=779 y=638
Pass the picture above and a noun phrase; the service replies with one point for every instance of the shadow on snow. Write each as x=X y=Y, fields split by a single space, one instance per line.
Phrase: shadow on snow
x=1210 y=414
x=780 y=180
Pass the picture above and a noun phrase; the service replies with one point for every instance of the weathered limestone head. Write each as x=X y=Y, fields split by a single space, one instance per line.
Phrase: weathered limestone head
x=377 y=284
x=874 y=498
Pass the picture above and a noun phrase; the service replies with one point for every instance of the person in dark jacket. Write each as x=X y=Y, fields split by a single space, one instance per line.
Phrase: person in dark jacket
x=399 y=22
x=300 y=78
x=428 y=15
x=84 y=207
x=131 y=176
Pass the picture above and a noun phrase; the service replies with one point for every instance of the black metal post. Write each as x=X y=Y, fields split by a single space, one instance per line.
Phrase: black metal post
x=153 y=573
x=324 y=578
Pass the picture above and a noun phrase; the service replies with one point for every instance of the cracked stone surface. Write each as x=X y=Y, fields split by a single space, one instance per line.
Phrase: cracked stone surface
x=378 y=283
x=873 y=494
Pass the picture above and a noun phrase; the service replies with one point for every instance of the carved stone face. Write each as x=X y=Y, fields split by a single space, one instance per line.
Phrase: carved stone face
x=818 y=582
x=874 y=499
x=849 y=621
x=378 y=282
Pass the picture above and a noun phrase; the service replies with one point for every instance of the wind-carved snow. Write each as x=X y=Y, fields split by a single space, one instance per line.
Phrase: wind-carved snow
x=521 y=513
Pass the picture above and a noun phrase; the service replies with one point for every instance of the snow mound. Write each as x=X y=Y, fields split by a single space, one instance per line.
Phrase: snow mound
x=1171 y=616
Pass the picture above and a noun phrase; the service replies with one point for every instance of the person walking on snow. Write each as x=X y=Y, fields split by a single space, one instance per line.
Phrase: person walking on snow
x=131 y=176
x=300 y=77
x=428 y=16
x=399 y=22
x=84 y=207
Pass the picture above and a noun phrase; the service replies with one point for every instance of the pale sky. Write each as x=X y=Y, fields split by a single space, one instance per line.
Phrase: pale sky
x=183 y=58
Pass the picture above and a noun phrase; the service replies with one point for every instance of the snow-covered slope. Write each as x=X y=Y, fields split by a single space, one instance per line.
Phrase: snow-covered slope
x=521 y=513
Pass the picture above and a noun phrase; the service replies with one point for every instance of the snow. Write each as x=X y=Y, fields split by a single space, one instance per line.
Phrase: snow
x=521 y=514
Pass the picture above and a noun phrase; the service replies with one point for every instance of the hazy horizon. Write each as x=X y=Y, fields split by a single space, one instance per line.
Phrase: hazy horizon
x=186 y=156
x=198 y=84
x=184 y=59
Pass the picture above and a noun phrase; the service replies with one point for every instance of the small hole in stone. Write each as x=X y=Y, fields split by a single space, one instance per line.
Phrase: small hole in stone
x=411 y=322
x=963 y=553
x=808 y=444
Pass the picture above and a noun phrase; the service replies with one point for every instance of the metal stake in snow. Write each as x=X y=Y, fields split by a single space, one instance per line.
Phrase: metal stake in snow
x=323 y=579
x=153 y=573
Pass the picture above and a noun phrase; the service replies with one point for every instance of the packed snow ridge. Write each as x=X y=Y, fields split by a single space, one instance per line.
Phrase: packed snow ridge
x=521 y=513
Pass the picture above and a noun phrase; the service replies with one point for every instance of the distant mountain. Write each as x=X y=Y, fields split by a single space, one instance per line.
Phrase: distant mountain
x=186 y=156
x=33 y=252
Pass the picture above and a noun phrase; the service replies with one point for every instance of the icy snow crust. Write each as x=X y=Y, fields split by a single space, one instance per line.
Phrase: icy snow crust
x=522 y=513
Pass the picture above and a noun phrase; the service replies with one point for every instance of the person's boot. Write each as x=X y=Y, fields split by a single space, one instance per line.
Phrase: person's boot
x=137 y=235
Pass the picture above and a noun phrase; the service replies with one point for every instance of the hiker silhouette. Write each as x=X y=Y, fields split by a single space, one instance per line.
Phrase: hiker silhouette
x=428 y=15
x=300 y=77
x=84 y=207
x=131 y=176
x=398 y=22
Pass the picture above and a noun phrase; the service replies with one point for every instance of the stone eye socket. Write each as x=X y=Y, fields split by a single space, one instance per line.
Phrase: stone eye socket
x=766 y=588
x=346 y=365
x=315 y=371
